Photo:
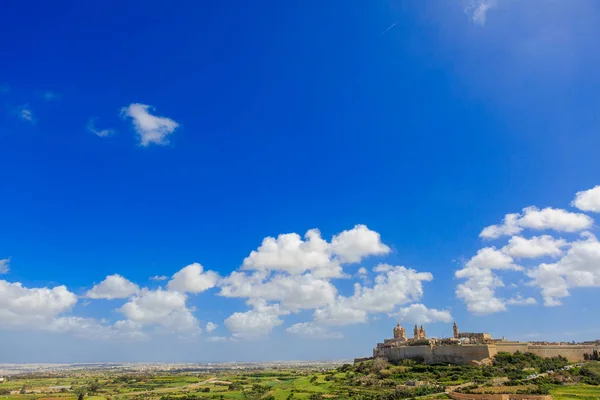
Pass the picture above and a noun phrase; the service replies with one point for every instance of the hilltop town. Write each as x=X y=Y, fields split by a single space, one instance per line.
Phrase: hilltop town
x=470 y=347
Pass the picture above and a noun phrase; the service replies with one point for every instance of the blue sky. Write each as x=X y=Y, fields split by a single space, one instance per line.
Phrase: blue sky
x=228 y=181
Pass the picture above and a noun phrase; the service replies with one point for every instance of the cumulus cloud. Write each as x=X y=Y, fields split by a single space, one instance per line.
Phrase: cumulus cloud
x=289 y=253
x=351 y=246
x=488 y=258
x=291 y=273
x=113 y=287
x=4 y=265
x=534 y=218
x=478 y=291
x=579 y=267
x=292 y=292
x=150 y=128
x=310 y=330
x=588 y=200
x=91 y=127
x=47 y=309
x=32 y=307
x=254 y=323
x=210 y=326
x=91 y=328
x=477 y=10
x=537 y=246
x=509 y=226
x=166 y=309
x=420 y=314
x=193 y=279
x=394 y=285
x=159 y=278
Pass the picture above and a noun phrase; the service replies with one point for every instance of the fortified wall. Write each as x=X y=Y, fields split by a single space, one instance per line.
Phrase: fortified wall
x=469 y=348
x=434 y=354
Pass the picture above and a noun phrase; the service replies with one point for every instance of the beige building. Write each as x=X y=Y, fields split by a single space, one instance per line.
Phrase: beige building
x=469 y=347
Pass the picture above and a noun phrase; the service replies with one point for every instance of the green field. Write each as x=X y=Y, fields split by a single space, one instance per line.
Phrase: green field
x=578 y=392
x=371 y=380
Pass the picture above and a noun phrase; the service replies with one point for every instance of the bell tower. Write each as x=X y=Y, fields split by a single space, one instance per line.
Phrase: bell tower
x=455 y=330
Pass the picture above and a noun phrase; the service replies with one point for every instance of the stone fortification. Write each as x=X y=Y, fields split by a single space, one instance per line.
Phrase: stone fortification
x=469 y=348
x=433 y=354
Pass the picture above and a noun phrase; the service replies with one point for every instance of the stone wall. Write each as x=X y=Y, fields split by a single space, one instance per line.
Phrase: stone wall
x=468 y=353
x=571 y=352
x=432 y=354
x=512 y=347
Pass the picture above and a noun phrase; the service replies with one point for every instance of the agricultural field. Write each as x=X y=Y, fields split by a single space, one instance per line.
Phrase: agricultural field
x=373 y=379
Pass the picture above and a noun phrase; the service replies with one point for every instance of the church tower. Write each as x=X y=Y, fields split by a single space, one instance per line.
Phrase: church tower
x=455 y=330
x=422 y=334
x=416 y=332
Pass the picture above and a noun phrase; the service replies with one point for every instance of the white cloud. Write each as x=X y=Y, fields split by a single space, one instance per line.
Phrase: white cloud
x=193 y=279
x=4 y=265
x=289 y=253
x=537 y=246
x=44 y=309
x=509 y=226
x=394 y=285
x=342 y=312
x=210 y=326
x=478 y=291
x=579 y=267
x=159 y=278
x=113 y=287
x=32 y=307
x=150 y=128
x=519 y=300
x=254 y=323
x=25 y=113
x=588 y=200
x=534 y=218
x=90 y=328
x=313 y=331
x=91 y=127
x=351 y=246
x=487 y=258
x=554 y=218
x=293 y=292
x=291 y=274
x=477 y=10
x=162 y=308
x=420 y=314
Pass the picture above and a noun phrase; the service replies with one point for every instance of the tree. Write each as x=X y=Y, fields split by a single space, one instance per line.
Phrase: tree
x=81 y=396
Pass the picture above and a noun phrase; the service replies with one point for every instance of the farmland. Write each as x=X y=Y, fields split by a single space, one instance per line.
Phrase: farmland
x=371 y=379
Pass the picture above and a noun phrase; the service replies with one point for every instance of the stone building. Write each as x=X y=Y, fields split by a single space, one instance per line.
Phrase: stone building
x=469 y=347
